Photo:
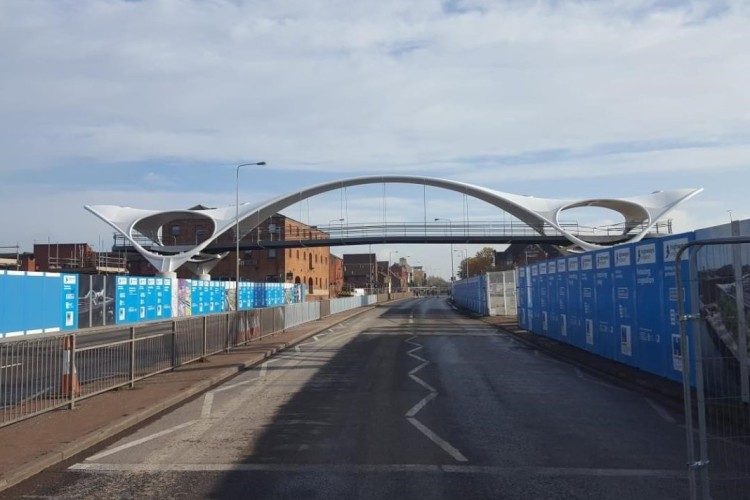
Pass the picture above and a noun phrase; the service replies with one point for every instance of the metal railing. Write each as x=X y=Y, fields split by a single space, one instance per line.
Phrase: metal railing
x=44 y=372
x=345 y=231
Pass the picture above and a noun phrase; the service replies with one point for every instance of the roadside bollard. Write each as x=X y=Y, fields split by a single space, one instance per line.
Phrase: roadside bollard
x=70 y=384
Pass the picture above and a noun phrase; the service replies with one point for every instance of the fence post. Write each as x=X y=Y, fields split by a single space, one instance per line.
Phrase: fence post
x=205 y=339
x=229 y=328
x=71 y=384
x=131 y=374
x=739 y=298
x=174 y=344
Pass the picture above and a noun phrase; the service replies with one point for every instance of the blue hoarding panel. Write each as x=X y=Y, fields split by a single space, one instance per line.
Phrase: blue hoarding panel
x=132 y=301
x=588 y=299
x=68 y=301
x=150 y=299
x=574 y=319
x=543 y=298
x=649 y=303
x=168 y=294
x=535 y=315
x=2 y=303
x=562 y=298
x=607 y=342
x=625 y=306
x=15 y=288
x=552 y=296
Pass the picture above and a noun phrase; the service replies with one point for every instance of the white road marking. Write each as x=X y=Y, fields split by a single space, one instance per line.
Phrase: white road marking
x=208 y=401
x=264 y=366
x=450 y=450
x=487 y=470
x=229 y=387
x=141 y=441
x=296 y=348
x=661 y=411
x=317 y=338
x=418 y=407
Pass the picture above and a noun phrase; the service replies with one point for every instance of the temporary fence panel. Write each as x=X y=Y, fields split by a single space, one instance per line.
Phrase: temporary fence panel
x=624 y=302
x=521 y=290
x=573 y=311
x=501 y=287
x=471 y=293
x=296 y=314
x=714 y=308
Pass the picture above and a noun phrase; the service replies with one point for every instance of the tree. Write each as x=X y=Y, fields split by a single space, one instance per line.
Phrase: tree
x=482 y=262
x=435 y=281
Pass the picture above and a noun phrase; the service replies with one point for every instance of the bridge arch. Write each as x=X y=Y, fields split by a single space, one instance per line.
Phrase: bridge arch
x=538 y=213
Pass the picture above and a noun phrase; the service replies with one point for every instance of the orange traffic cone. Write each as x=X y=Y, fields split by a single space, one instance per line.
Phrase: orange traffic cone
x=70 y=384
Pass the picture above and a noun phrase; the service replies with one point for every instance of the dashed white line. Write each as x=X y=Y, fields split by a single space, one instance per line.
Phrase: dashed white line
x=208 y=402
x=140 y=441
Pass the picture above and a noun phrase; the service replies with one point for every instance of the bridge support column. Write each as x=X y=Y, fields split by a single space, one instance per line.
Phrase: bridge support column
x=203 y=277
x=168 y=274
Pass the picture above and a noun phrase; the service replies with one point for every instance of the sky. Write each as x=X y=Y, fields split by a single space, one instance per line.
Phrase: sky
x=152 y=104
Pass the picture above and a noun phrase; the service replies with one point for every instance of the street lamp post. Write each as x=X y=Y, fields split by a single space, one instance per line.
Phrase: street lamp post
x=237 y=233
x=450 y=229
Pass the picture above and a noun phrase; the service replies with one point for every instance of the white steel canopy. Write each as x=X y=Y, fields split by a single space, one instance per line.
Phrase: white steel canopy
x=541 y=214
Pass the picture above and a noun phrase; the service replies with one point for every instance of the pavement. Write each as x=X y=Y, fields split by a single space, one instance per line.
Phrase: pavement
x=33 y=445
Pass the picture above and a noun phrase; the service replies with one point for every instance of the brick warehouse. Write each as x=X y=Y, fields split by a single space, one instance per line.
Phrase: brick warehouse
x=310 y=266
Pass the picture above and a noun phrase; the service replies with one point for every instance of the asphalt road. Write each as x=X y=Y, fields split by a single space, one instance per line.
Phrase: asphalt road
x=411 y=400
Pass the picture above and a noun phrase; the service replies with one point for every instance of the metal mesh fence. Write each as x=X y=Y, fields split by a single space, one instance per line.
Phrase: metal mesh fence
x=501 y=290
x=714 y=302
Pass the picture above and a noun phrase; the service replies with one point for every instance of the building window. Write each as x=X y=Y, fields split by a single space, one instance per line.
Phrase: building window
x=175 y=230
x=297 y=254
x=271 y=253
x=290 y=253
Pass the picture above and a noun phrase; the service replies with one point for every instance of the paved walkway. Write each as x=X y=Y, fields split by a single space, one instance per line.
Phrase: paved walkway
x=30 y=446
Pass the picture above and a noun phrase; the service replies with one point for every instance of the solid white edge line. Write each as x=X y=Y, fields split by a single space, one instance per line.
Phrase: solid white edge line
x=661 y=411
x=418 y=407
x=446 y=447
x=208 y=401
x=230 y=387
x=141 y=441
x=384 y=468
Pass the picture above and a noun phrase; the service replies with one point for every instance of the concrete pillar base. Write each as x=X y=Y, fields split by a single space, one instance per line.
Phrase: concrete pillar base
x=203 y=277
x=168 y=274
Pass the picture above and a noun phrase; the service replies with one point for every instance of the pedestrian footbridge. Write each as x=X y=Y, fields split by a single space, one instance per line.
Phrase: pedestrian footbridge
x=537 y=220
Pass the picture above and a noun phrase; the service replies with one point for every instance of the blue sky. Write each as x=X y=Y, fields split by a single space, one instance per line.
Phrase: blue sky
x=151 y=104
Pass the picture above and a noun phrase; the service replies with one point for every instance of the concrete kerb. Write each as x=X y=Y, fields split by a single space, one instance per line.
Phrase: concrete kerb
x=11 y=478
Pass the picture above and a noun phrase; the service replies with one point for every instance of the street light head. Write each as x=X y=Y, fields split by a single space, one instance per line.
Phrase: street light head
x=261 y=163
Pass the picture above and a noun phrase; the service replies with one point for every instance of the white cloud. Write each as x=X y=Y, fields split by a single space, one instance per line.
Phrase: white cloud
x=346 y=87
